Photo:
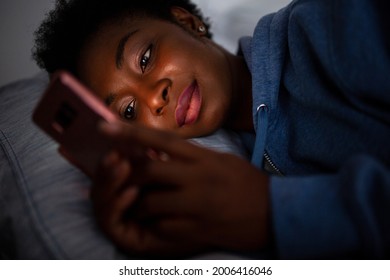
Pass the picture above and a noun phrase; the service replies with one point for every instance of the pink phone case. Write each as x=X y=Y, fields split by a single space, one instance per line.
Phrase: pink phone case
x=69 y=113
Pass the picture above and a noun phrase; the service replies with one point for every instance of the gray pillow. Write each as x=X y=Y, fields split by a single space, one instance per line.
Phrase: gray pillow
x=45 y=212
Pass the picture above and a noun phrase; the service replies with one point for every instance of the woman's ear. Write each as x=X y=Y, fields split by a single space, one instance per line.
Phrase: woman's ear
x=189 y=21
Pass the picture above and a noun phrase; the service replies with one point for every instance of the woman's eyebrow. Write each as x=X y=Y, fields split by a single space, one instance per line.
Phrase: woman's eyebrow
x=109 y=99
x=121 y=47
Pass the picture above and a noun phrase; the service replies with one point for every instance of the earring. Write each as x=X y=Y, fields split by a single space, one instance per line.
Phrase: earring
x=201 y=29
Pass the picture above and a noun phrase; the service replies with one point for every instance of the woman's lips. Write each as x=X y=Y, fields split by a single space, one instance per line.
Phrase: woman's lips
x=188 y=105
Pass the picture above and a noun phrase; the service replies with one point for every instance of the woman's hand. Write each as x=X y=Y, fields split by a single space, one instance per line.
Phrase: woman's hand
x=200 y=199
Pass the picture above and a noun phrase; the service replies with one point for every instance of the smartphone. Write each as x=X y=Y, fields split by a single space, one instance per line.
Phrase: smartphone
x=70 y=113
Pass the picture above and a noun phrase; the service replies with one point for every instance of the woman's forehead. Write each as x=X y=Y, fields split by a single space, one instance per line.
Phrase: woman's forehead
x=108 y=44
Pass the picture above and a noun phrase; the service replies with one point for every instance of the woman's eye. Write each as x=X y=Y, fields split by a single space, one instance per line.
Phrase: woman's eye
x=129 y=113
x=145 y=59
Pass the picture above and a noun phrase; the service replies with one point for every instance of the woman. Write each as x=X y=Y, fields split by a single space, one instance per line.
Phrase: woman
x=308 y=93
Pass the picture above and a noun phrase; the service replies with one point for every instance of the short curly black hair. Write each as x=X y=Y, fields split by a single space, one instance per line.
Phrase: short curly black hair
x=60 y=37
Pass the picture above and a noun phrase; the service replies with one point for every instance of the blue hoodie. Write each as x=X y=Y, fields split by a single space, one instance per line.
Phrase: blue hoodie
x=321 y=109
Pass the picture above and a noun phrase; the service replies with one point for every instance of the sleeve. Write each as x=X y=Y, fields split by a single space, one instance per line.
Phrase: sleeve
x=343 y=215
x=348 y=43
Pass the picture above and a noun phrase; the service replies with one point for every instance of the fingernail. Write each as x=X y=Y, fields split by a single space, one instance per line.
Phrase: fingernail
x=109 y=128
x=110 y=159
x=132 y=191
x=120 y=168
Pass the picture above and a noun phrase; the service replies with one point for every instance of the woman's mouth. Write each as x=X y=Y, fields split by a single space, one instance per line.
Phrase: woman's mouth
x=188 y=105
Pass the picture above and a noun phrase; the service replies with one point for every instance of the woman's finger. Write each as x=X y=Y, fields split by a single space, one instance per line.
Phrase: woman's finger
x=112 y=215
x=126 y=135
x=112 y=175
x=163 y=238
x=163 y=203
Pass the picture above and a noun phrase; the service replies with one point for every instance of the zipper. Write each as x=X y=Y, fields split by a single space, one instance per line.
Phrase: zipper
x=270 y=166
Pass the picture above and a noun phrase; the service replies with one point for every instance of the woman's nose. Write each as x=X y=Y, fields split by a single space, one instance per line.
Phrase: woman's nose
x=158 y=100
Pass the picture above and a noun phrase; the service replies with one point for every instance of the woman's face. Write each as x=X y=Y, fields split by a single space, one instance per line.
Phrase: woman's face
x=157 y=73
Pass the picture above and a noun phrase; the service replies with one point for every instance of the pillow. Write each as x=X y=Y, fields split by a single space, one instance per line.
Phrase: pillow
x=45 y=212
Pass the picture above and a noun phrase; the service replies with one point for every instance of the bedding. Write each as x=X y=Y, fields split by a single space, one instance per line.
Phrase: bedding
x=45 y=212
